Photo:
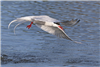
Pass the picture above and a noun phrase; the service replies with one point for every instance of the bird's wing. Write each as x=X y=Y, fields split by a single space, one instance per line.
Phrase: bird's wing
x=70 y=23
x=50 y=29
x=55 y=31
x=45 y=18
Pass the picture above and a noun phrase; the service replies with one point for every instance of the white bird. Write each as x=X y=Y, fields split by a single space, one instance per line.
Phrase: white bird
x=47 y=24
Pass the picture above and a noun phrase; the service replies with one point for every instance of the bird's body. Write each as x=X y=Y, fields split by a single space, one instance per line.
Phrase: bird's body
x=46 y=23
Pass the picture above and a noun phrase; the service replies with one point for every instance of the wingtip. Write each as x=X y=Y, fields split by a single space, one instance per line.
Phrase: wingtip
x=78 y=42
x=78 y=20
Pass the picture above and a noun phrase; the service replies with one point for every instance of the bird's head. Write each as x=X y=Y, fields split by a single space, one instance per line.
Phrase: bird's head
x=58 y=25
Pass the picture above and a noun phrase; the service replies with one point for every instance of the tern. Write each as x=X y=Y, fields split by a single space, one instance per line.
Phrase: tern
x=47 y=24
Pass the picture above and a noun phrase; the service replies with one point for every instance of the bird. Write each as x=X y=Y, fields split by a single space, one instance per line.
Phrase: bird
x=48 y=24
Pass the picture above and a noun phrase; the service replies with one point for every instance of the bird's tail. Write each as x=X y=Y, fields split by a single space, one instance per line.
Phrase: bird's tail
x=22 y=20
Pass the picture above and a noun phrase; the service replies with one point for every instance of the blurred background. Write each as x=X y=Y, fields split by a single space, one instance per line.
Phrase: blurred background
x=34 y=47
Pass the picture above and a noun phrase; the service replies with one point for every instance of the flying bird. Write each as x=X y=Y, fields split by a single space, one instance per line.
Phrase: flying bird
x=47 y=24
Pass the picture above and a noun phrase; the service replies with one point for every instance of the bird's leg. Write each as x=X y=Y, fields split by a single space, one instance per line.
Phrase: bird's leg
x=29 y=26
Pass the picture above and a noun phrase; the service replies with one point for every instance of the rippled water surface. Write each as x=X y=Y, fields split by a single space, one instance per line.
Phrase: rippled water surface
x=36 y=48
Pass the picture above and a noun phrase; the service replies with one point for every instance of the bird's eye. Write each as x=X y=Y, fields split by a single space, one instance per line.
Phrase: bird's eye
x=57 y=23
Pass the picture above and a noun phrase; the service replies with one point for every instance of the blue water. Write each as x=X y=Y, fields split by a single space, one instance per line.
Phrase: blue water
x=36 y=48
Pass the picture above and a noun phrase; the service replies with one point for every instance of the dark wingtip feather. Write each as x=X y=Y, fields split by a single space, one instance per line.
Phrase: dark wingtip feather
x=71 y=22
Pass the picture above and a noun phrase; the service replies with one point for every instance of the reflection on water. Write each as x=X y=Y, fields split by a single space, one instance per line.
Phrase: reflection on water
x=36 y=46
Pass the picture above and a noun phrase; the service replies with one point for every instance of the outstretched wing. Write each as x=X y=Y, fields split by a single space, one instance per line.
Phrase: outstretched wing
x=50 y=29
x=55 y=31
x=70 y=23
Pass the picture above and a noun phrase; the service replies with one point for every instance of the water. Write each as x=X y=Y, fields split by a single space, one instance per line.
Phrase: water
x=34 y=47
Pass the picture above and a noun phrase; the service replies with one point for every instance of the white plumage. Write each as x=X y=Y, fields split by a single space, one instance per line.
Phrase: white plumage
x=44 y=22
